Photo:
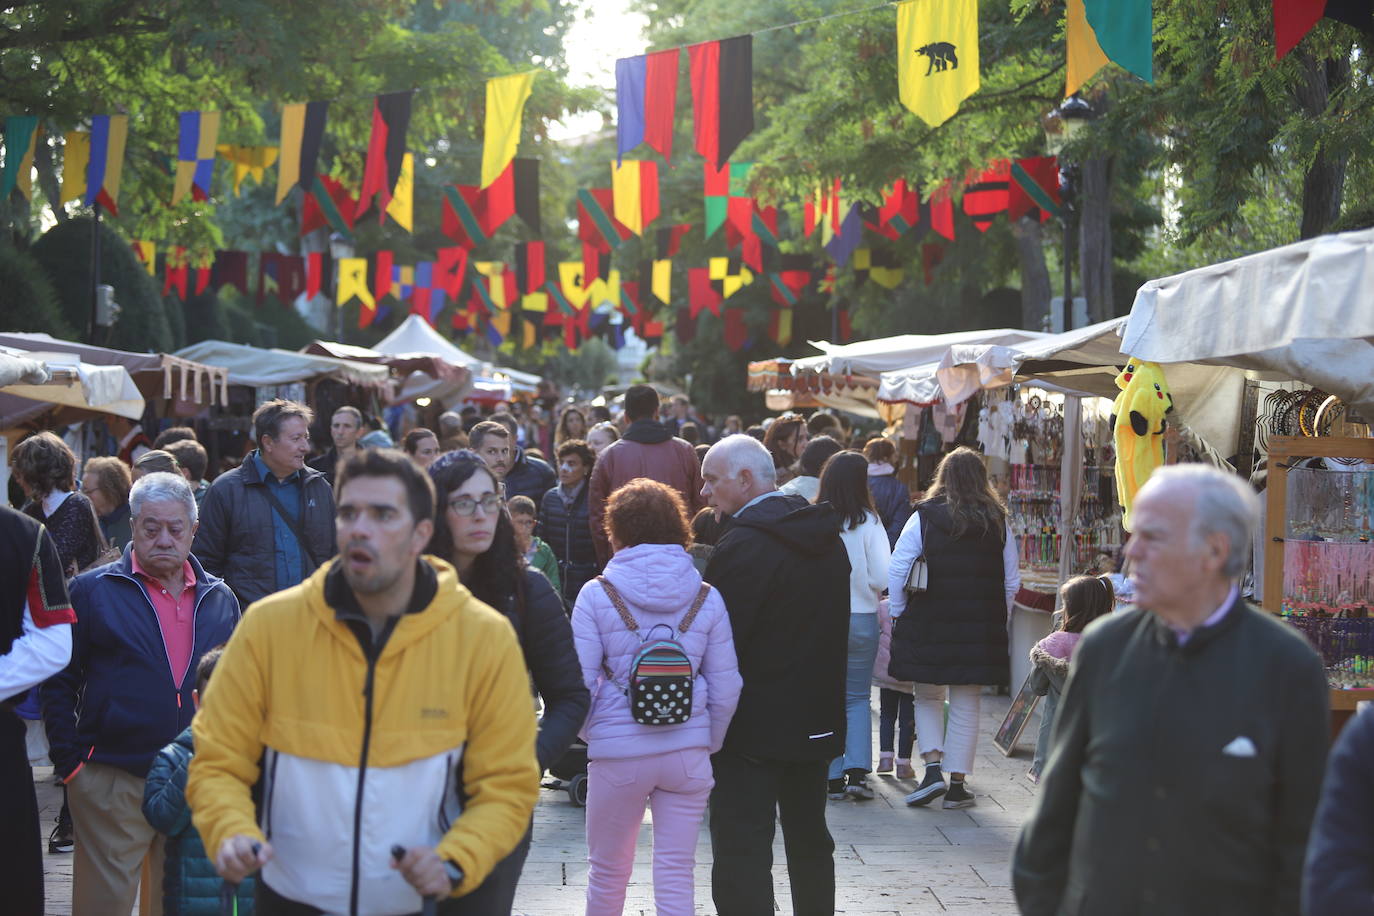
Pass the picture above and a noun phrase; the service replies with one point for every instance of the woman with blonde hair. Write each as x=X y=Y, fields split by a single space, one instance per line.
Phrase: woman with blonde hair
x=950 y=636
x=786 y=439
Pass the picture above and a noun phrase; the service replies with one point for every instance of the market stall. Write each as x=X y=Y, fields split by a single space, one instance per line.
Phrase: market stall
x=415 y=336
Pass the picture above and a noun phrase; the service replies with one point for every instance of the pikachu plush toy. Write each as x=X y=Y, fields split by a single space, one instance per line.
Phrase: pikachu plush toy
x=1138 y=429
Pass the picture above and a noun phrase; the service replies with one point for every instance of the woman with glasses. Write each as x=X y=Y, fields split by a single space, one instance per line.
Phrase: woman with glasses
x=473 y=532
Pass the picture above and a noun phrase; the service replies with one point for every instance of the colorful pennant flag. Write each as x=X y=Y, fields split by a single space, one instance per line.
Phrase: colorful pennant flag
x=722 y=95
x=328 y=203
x=21 y=131
x=472 y=215
x=402 y=206
x=529 y=266
x=724 y=186
x=506 y=96
x=199 y=134
x=1084 y=54
x=729 y=275
x=940 y=207
x=315 y=273
x=176 y=273
x=987 y=194
x=526 y=179
x=450 y=269
x=386 y=150
x=842 y=245
x=645 y=100
x=1034 y=186
x=353 y=283
x=701 y=292
x=1125 y=33
x=146 y=252
x=937 y=56
x=596 y=223
x=248 y=160
x=97 y=156
x=634 y=189
x=302 y=132
x=230 y=269
x=780 y=326
x=661 y=281
x=668 y=241
x=736 y=331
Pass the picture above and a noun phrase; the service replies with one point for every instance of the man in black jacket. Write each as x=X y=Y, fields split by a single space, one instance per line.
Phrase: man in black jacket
x=269 y=523
x=527 y=475
x=784 y=575
x=1189 y=742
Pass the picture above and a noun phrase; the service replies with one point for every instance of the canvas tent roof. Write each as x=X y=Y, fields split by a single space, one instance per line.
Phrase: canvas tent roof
x=157 y=375
x=62 y=387
x=887 y=354
x=256 y=367
x=415 y=335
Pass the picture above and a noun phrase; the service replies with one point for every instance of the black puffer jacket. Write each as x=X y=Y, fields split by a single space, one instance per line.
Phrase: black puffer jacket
x=893 y=501
x=235 y=540
x=955 y=632
x=568 y=533
x=529 y=476
x=784 y=574
x=547 y=641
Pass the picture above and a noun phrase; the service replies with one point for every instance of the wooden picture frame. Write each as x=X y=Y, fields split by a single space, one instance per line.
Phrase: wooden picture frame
x=1018 y=715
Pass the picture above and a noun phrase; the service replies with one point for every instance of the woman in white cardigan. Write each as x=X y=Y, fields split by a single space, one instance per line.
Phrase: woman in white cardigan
x=844 y=484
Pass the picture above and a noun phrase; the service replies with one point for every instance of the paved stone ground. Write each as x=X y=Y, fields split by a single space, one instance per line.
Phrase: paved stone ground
x=890 y=860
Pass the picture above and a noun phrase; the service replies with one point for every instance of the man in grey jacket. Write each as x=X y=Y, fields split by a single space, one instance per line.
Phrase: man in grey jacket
x=269 y=523
x=1189 y=743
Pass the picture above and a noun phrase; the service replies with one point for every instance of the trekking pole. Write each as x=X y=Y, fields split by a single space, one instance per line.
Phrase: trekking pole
x=429 y=906
x=229 y=892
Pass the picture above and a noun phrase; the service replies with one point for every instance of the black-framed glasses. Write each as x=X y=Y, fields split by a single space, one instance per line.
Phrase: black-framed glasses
x=466 y=505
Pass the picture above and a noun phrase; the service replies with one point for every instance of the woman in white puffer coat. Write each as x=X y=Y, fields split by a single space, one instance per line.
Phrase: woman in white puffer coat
x=630 y=765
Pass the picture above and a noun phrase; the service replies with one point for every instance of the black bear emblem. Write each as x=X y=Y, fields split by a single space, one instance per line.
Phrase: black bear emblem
x=942 y=56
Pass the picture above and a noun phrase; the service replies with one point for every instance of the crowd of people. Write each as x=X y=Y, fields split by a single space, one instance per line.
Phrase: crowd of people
x=330 y=681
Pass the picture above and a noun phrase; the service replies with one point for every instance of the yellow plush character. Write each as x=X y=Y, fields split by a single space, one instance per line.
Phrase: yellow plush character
x=1138 y=429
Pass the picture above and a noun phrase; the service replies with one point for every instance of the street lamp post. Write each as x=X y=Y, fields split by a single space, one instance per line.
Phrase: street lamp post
x=1062 y=125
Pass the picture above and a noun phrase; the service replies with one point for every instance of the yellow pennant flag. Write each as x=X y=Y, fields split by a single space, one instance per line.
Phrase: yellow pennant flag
x=729 y=283
x=528 y=339
x=494 y=271
x=661 y=281
x=1085 y=55
x=506 y=97
x=147 y=255
x=784 y=319
x=535 y=302
x=25 y=178
x=292 y=135
x=353 y=282
x=570 y=279
x=501 y=322
x=937 y=56
x=402 y=206
x=114 y=157
x=247 y=160
x=74 y=161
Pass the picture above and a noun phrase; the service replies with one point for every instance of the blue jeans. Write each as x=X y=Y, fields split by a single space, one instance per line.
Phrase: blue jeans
x=896 y=722
x=858 y=680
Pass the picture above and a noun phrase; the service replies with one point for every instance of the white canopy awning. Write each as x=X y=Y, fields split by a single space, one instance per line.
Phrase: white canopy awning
x=889 y=354
x=43 y=381
x=1303 y=311
x=415 y=335
x=256 y=367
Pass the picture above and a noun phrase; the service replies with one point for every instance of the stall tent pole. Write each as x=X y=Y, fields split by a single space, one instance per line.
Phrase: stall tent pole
x=95 y=273
x=1070 y=484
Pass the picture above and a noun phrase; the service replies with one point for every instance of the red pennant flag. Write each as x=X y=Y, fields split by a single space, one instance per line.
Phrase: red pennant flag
x=381 y=276
x=932 y=253
x=314 y=273
x=941 y=205
x=736 y=332
x=701 y=293
x=529 y=266
x=386 y=149
x=988 y=193
x=1043 y=173
x=846 y=332
x=1293 y=19
x=685 y=327
x=452 y=264
x=669 y=240
x=722 y=95
x=202 y=279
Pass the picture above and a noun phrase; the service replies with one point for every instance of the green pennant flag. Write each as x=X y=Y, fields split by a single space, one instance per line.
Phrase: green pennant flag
x=19 y=131
x=730 y=180
x=1125 y=32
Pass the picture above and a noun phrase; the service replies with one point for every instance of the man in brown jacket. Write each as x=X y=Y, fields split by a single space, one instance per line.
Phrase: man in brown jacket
x=648 y=449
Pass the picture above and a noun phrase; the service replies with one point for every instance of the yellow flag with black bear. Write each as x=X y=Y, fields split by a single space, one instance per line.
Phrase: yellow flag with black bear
x=937 y=56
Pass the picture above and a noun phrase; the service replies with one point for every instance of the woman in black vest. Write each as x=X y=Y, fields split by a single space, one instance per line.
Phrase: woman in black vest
x=952 y=637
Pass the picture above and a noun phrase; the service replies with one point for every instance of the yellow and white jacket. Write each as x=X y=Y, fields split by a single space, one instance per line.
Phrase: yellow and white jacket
x=431 y=745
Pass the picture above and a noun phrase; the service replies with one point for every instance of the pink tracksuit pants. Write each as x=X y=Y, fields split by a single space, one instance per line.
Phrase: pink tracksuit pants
x=675 y=785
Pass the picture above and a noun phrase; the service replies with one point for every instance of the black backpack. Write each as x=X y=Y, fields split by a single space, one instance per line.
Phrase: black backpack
x=661 y=676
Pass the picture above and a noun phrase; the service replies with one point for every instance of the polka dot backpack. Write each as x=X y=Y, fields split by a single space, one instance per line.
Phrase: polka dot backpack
x=661 y=677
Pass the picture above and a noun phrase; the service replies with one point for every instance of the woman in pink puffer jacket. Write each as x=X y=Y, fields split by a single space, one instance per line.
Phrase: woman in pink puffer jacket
x=666 y=766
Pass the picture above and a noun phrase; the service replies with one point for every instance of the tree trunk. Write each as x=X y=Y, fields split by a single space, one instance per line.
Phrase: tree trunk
x=1035 y=276
x=47 y=177
x=1095 y=238
x=1323 y=186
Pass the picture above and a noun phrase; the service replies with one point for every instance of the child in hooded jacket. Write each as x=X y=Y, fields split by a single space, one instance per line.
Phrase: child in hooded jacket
x=630 y=764
x=896 y=706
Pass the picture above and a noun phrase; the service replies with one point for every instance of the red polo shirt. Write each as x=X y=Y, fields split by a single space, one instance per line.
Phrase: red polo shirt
x=175 y=617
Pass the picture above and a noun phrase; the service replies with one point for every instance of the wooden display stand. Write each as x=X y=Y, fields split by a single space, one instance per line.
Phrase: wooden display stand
x=1282 y=451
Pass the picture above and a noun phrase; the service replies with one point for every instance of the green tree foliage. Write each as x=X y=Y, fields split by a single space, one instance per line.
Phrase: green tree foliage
x=28 y=301
x=65 y=256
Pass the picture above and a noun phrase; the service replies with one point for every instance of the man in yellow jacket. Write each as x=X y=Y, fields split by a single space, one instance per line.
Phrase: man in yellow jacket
x=376 y=704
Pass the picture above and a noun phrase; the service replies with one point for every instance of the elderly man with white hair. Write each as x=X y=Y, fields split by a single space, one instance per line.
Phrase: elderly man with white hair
x=784 y=574
x=1190 y=740
x=142 y=624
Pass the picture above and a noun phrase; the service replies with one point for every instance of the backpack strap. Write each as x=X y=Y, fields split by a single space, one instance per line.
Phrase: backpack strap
x=619 y=603
x=696 y=606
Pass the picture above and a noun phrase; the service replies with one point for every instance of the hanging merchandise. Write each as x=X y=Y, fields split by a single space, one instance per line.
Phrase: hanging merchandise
x=645 y=100
x=722 y=95
x=937 y=56
x=302 y=132
x=1138 y=429
x=506 y=97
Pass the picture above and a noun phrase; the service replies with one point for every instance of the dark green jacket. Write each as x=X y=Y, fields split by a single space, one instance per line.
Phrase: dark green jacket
x=1182 y=779
x=190 y=886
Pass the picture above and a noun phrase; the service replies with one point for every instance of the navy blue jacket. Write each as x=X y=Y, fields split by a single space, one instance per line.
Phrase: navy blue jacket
x=1339 y=875
x=893 y=502
x=190 y=885
x=116 y=702
x=569 y=535
x=528 y=476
